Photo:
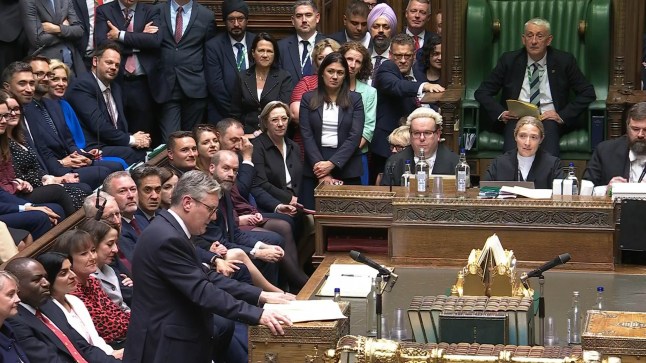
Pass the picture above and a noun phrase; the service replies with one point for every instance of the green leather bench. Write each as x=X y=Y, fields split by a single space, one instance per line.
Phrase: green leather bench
x=581 y=27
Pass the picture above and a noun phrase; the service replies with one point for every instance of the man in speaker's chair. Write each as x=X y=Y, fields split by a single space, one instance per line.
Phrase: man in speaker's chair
x=541 y=75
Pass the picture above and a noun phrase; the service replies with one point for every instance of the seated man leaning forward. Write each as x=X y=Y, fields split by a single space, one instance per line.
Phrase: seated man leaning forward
x=621 y=160
x=425 y=133
x=541 y=75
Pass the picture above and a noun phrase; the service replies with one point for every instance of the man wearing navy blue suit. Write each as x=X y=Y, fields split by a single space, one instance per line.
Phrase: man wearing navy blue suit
x=226 y=55
x=183 y=294
x=557 y=77
x=355 y=25
x=43 y=343
x=296 y=50
x=134 y=25
x=397 y=94
x=98 y=103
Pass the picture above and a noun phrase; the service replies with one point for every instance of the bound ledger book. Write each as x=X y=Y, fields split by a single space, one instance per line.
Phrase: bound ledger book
x=472 y=319
x=522 y=109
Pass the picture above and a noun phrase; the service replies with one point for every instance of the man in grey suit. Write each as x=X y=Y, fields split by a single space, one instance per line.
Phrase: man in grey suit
x=185 y=28
x=52 y=28
x=13 y=44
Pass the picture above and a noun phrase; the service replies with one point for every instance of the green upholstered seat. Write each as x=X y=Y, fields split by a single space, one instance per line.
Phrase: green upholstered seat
x=484 y=46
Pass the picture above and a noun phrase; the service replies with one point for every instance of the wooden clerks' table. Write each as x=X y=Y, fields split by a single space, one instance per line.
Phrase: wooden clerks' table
x=444 y=231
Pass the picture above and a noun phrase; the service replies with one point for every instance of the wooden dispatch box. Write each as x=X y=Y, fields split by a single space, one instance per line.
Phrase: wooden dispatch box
x=620 y=333
x=301 y=341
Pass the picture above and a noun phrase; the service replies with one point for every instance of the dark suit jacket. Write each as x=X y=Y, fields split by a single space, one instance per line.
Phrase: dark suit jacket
x=50 y=146
x=42 y=345
x=147 y=44
x=564 y=77
x=81 y=10
x=183 y=62
x=347 y=157
x=221 y=73
x=10 y=350
x=174 y=303
x=610 y=159
x=339 y=36
x=396 y=97
x=270 y=169
x=445 y=162
x=544 y=170
x=245 y=105
x=10 y=21
x=85 y=97
x=290 y=58
x=35 y=12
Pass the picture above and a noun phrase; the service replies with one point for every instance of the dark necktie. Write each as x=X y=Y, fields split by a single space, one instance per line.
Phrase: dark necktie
x=47 y=117
x=135 y=226
x=179 y=24
x=240 y=57
x=306 y=60
x=534 y=85
x=62 y=337
x=377 y=64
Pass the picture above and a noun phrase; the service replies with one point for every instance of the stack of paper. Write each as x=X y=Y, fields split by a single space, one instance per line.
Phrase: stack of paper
x=526 y=192
x=299 y=311
x=354 y=280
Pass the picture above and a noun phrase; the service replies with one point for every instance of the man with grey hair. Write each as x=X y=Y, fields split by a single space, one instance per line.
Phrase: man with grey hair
x=621 y=160
x=179 y=297
x=541 y=75
x=425 y=133
x=105 y=203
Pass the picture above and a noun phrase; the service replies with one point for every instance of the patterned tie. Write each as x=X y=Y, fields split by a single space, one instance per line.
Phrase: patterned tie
x=377 y=64
x=416 y=38
x=179 y=24
x=534 y=85
x=131 y=62
x=240 y=57
x=47 y=117
x=107 y=94
x=62 y=337
x=306 y=60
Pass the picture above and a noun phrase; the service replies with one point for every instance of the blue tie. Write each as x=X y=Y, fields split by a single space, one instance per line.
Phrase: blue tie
x=306 y=60
x=240 y=57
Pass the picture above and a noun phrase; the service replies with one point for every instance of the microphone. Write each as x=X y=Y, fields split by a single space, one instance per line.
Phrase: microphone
x=357 y=256
x=99 y=207
x=559 y=260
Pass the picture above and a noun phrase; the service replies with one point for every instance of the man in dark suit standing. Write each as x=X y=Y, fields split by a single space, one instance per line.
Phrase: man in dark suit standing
x=397 y=95
x=40 y=327
x=98 y=102
x=13 y=43
x=135 y=26
x=418 y=14
x=226 y=55
x=173 y=304
x=541 y=75
x=185 y=28
x=296 y=49
x=425 y=133
x=621 y=160
x=355 y=23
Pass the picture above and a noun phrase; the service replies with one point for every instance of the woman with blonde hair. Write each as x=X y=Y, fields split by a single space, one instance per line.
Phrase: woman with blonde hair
x=527 y=162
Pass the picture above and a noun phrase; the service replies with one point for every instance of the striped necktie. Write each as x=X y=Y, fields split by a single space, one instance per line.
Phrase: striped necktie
x=534 y=85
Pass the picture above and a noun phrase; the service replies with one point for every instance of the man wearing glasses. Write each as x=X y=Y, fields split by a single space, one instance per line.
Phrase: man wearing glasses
x=425 y=133
x=398 y=93
x=541 y=75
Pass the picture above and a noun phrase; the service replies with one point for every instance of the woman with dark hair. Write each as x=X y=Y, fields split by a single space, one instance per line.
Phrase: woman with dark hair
x=169 y=178
x=331 y=120
x=207 y=145
x=110 y=321
x=10 y=351
x=39 y=193
x=260 y=84
x=429 y=67
x=62 y=282
x=360 y=70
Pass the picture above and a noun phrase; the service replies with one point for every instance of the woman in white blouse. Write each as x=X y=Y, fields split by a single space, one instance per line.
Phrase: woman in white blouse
x=62 y=281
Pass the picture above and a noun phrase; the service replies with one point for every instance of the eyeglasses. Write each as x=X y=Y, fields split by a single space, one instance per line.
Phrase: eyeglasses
x=40 y=75
x=239 y=19
x=418 y=134
x=12 y=112
x=397 y=148
x=116 y=216
x=211 y=209
x=405 y=57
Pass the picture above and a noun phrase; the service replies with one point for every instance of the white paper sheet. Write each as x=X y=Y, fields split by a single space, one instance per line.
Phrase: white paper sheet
x=300 y=311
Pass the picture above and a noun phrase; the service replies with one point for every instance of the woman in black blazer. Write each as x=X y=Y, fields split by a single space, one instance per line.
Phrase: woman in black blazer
x=331 y=121
x=276 y=158
x=262 y=83
x=527 y=162
x=10 y=351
